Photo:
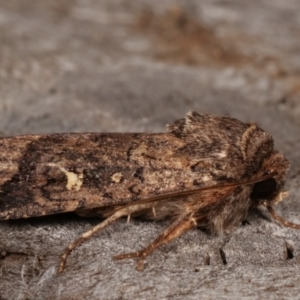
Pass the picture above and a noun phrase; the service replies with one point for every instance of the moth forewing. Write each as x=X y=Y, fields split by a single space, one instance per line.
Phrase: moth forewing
x=205 y=171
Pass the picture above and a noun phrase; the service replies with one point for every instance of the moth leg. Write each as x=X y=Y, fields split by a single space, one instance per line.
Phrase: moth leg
x=128 y=219
x=282 y=220
x=154 y=212
x=176 y=229
x=125 y=211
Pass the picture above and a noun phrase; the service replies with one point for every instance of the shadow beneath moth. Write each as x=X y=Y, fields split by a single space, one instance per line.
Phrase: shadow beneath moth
x=206 y=171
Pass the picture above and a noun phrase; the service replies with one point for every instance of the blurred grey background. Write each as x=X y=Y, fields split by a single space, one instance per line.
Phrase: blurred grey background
x=115 y=65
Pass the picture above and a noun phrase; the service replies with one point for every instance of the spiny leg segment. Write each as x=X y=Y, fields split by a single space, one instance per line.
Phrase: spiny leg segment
x=127 y=210
x=177 y=228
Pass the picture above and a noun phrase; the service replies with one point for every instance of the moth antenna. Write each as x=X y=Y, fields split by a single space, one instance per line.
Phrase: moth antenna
x=214 y=187
x=177 y=228
x=125 y=211
x=282 y=220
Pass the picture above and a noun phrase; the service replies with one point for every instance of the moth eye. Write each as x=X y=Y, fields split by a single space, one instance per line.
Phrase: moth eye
x=264 y=189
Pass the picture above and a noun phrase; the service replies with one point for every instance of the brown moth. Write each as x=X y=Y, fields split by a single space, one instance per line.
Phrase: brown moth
x=206 y=171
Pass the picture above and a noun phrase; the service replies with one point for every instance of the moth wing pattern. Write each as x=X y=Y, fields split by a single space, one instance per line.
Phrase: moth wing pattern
x=48 y=174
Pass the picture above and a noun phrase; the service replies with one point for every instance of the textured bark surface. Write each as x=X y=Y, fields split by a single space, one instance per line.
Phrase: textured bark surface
x=71 y=66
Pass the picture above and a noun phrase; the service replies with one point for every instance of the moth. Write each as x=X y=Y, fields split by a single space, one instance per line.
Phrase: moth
x=207 y=171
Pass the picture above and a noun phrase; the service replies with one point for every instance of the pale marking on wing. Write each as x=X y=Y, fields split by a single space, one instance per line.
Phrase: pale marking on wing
x=74 y=181
x=206 y=178
x=221 y=154
x=117 y=177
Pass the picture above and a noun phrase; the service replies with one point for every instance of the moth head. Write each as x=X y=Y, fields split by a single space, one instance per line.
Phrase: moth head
x=269 y=191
